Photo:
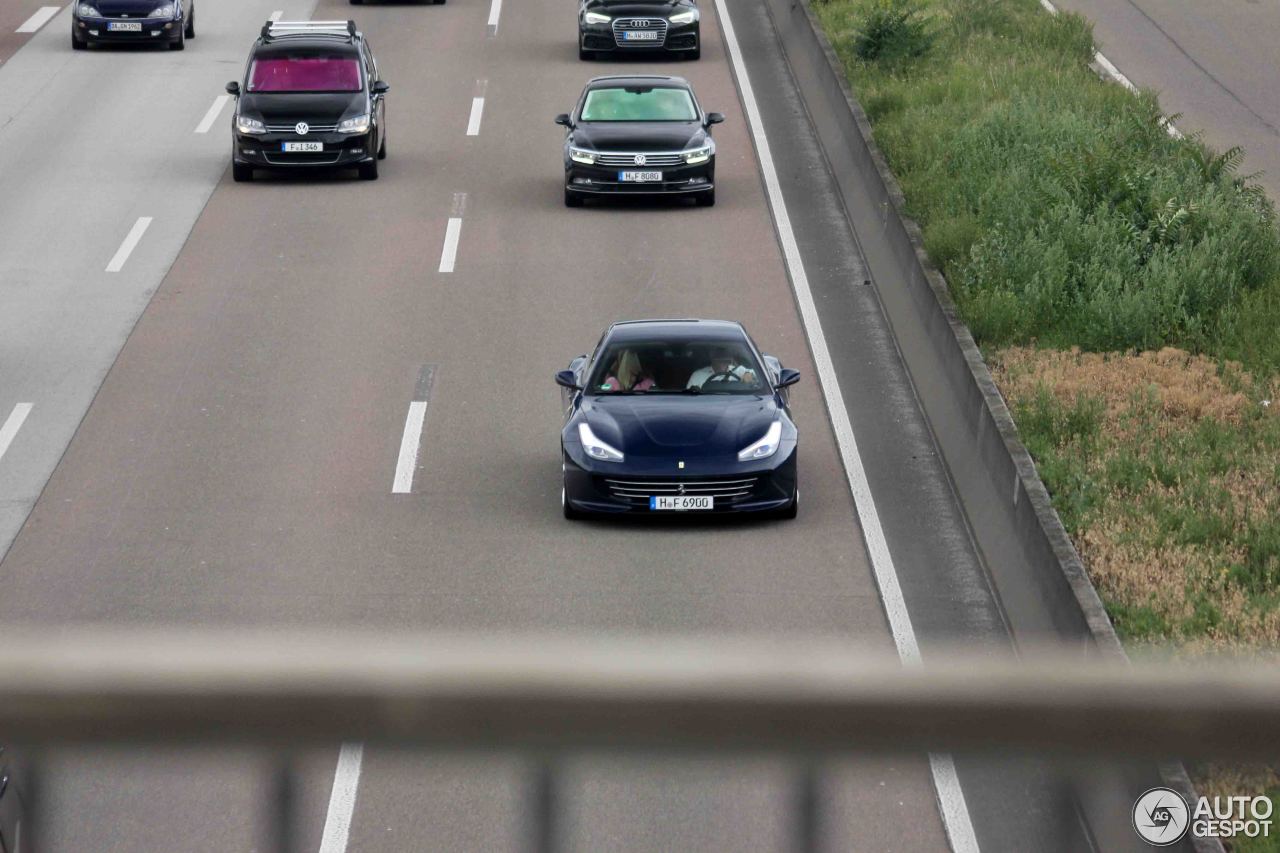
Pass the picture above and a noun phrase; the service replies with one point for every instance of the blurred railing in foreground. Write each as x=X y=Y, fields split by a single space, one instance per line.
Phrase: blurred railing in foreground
x=549 y=697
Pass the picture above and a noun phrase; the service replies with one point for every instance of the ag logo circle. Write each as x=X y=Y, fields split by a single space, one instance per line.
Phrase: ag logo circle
x=1161 y=817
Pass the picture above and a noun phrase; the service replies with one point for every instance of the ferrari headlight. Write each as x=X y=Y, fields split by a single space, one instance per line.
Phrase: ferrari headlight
x=765 y=447
x=698 y=155
x=87 y=10
x=684 y=17
x=165 y=11
x=596 y=448
x=582 y=155
x=250 y=126
x=596 y=18
x=357 y=124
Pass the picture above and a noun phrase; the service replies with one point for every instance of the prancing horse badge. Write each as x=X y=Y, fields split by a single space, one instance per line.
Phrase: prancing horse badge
x=680 y=465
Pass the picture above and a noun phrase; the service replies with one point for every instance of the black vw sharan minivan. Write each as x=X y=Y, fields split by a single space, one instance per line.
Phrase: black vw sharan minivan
x=311 y=98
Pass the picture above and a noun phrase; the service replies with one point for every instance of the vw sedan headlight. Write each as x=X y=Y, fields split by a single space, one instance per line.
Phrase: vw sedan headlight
x=765 y=447
x=249 y=126
x=596 y=448
x=699 y=155
x=684 y=17
x=582 y=155
x=86 y=10
x=596 y=18
x=357 y=124
x=165 y=11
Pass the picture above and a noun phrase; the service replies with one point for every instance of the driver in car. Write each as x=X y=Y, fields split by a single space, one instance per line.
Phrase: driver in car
x=721 y=369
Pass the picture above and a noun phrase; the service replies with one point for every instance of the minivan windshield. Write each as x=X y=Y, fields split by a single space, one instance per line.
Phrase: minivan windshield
x=307 y=73
x=688 y=366
x=639 y=104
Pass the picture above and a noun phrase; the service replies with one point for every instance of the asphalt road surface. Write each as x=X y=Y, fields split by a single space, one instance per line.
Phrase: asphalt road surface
x=212 y=382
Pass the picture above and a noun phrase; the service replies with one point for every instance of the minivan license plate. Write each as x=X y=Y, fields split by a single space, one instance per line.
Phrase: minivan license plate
x=640 y=177
x=303 y=147
x=681 y=502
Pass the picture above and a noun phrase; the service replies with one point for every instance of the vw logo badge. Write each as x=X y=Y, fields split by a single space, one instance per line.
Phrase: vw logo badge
x=302 y=128
x=640 y=160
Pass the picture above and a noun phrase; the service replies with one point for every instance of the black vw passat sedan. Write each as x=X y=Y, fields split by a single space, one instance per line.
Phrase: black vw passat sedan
x=311 y=98
x=169 y=22
x=673 y=416
x=609 y=26
x=643 y=135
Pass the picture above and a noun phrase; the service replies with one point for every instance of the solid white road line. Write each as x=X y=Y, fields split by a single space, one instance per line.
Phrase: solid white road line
x=342 y=801
x=495 y=10
x=955 y=814
x=11 y=426
x=39 y=19
x=409 y=441
x=212 y=116
x=477 y=110
x=450 y=252
x=130 y=243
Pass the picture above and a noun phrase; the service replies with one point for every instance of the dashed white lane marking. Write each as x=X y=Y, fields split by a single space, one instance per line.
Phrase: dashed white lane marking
x=276 y=15
x=477 y=110
x=43 y=16
x=342 y=801
x=409 y=442
x=954 y=811
x=1114 y=73
x=212 y=116
x=11 y=426
x=495 y=11
x=130 y=243
x=452 y=234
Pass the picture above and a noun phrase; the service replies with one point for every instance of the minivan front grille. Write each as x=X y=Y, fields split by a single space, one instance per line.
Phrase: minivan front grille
x=293 y=128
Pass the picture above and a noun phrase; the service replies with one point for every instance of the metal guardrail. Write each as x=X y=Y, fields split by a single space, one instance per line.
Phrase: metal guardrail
x=549 y=697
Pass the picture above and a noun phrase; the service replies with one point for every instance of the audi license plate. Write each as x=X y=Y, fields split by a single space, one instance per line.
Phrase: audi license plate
x=639 y=35
x=124 y=26
x=302 y=147
x=640 y=177
x=681 y=502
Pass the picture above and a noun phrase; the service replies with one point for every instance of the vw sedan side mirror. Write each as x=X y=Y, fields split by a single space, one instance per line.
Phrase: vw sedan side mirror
x=563 y=119
x=567 y=379
x=788 y=376
x=233 y=88
x=380 y=87
x=715 y=118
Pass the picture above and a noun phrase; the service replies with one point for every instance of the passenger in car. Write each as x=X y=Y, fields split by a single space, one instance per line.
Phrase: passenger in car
x=628 y=374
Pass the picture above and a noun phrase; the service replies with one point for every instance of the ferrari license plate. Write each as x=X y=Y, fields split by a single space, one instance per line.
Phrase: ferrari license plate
x=124 y=26
x=681 y=502
x=303 y=147
x=640 y=177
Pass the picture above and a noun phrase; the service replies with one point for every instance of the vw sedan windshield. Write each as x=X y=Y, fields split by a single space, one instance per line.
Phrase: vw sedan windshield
x=678 y=367
x=639 y=104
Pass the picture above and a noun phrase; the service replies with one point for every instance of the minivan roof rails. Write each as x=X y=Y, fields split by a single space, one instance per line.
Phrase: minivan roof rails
x=275 y=29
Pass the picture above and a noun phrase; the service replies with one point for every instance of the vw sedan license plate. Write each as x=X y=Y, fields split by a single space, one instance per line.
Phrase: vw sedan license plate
x=639 y=35
x=303 y=147
x=640 y=177
x=681 y=502
x=124 y=26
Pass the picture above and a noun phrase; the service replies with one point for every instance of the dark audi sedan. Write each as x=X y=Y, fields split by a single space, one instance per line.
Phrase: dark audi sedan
x=624 y=26
x=678 y=416
x=311 y=98
x=639 y=135
x=169 y=22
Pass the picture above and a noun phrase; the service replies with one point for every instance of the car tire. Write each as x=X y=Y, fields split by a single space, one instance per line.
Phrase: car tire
x=586 y=55
x=706 y=199
x=569 y=512
x=241 y=173
x=76 y=44
x=572 y=199
x=180 y=43
x=369 y=171
x=696 y=53
x=438 y=2
x=357 y=2
x=382 y=149
x=191 y=22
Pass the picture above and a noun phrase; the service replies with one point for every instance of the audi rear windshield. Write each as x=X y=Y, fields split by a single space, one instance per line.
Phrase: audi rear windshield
x=311 y=72
x=639 y=104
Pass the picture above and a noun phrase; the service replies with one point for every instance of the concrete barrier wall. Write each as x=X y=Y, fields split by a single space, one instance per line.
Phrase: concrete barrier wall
x=1043 y=588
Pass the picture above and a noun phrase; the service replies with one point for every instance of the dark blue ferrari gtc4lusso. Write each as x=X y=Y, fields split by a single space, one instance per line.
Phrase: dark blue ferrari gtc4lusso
x=671 y=416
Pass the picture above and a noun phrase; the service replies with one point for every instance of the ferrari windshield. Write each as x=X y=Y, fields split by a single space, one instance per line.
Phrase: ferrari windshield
x=678 y=367
x=635 y=103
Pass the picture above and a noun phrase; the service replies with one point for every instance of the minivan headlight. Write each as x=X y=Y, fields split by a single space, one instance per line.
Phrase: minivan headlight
x=684 y=17
x=165 y=11
x=582 y=155
x=698 y=155
x=356 y=124
x=250 y=126
x=596 y=18
x=765 y=447
x=596 y=448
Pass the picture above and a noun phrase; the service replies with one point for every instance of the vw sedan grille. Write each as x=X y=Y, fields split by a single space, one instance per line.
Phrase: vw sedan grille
x=293 y=128
x=639 y=490
x=621 y=25
x=629 y=160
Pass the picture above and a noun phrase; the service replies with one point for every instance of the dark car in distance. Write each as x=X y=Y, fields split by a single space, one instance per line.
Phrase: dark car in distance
x=169 y=22
x=630 y=26
x=678 y=416
x=639 y=135
x=311 y=98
